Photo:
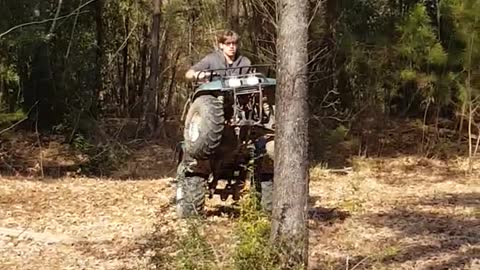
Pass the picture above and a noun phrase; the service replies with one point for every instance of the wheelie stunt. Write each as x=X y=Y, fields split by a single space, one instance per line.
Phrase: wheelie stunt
x=228 y=132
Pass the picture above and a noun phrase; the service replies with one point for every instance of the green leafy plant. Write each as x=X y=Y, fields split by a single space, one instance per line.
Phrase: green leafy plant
x=253 y=250
x=194 y=251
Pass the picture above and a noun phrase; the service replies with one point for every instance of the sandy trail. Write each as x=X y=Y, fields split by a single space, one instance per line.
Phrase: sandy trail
x=77 y=223
x=399 y=213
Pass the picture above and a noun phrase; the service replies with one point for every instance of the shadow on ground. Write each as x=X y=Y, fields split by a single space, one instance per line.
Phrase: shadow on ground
x=414 y=169
x=318 y=214
x=160 y=247
x=425 y=237
x=230 y=211
x=327 y=216
x=392 y=138
x=457 y=235
x=51 y=157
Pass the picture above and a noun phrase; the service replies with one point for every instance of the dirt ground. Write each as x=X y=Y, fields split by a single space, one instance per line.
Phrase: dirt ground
x=77 y=223
x=399 y=213
x=406 y=212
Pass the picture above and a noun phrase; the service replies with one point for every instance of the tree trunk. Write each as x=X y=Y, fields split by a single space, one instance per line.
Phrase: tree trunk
x=232 y=14
x=289 y=231
x=151 y=116
x=163 y=49
x=98 y=55
x=171 y=86
x=2 y=86
x=124 y=86
x=263 y=32
x=42 y=89
x=137 y=108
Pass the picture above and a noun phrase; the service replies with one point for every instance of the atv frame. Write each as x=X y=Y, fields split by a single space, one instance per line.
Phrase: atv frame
x=237 y=116
x=200 y=88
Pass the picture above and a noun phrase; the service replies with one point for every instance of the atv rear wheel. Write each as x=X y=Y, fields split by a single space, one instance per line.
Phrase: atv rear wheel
x=204 y=126
x=264 y=189
x=191 y=192
x=266 y=199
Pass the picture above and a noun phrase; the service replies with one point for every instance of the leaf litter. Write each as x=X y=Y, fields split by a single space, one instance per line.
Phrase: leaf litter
x=404 y=212
x=84 y=222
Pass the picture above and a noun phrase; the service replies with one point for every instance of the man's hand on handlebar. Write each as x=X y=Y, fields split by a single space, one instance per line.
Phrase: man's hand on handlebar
x=206 y=75
x=200 y=75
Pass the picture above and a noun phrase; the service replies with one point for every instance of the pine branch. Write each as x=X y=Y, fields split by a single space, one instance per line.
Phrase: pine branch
x=46 y=20
x=57 y=14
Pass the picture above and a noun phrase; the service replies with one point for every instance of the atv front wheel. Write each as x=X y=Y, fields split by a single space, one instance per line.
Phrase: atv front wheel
x=204 y=126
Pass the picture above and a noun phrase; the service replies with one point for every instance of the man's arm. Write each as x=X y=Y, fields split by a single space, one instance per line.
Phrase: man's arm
x=191 y=74
x=247 y=61
x=244 y=65
x=196 y=70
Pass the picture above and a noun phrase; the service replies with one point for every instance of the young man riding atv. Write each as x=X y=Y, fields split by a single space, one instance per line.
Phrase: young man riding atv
x=229 y=130
x=227 y=56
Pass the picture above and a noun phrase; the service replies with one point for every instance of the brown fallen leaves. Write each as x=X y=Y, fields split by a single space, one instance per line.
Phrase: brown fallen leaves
x=397 y=213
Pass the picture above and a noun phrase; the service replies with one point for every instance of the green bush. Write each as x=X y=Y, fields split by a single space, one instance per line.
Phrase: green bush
x=253 y=250
x=195 y=253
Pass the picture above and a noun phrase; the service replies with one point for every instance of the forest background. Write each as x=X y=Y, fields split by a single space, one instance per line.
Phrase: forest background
x=92 y=92
x=69 y=67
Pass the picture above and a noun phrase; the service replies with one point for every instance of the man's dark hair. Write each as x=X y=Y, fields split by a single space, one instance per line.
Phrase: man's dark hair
x=223 y=36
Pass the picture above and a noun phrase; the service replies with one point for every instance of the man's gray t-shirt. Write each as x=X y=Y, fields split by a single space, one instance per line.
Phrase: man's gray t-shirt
x=216 y=60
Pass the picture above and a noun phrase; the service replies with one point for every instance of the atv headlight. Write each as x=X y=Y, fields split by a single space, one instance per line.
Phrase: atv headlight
x=234 y=82
x=253 y=80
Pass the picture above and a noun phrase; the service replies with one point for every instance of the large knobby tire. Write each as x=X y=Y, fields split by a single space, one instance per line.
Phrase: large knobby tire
x=204 y=126
x=264 y=189
x=191 y=192
x=266 y=199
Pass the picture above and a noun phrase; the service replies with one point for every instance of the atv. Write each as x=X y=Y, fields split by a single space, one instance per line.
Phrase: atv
x=228 y=139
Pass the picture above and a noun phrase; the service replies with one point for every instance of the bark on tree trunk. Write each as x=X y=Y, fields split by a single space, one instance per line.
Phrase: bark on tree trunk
x=124 y=87
x=2 y=86
x=163 y=48
x=263 y=30
x=143 y=72
x=289 y=231
x=232 y=14
x=151 y=117
x=99 y=56
x=171 y=86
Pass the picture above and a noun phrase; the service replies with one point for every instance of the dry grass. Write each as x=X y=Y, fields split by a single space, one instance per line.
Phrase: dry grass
x=401 y=212
x=77 y=223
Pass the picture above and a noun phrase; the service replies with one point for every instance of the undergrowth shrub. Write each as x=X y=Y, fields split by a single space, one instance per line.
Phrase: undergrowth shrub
x=194 y=251
x=253 y=250
x=103 y=157
x=7 y=119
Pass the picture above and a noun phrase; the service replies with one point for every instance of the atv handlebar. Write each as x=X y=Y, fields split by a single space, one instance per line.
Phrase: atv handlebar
x=214 y=72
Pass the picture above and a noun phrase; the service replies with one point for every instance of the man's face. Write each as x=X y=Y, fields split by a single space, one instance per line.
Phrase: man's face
x=229 y=47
